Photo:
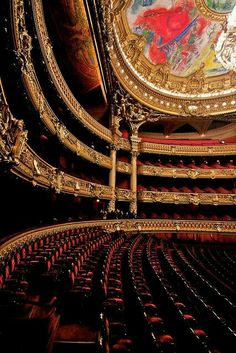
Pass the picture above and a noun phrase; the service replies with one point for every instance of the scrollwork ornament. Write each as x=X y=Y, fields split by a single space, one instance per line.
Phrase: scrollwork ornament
x=36 y=169
x=215 y=200
x=24 y=52
x=213 y=174
x=194 y=199
x=12 y=133
x=193 y=174
x=48 y=48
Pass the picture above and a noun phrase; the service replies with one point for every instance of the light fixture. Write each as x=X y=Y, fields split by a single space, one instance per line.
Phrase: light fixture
x=225 y=47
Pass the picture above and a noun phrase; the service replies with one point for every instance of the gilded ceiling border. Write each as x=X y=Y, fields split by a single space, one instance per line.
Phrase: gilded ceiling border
x=219 y=102
x=208 y=13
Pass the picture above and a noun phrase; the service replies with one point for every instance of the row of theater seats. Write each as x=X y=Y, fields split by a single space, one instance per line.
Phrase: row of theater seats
x=205 y=301
x=204 y=164
x=187 y=216
x=140 y=294
x=143 y=308
x=212 y=298
x=38 y=277
x=186 y=327
x=186 y=189
x=115 y=334
x=221 y=274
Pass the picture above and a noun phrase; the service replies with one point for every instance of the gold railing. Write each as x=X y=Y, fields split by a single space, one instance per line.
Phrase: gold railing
x=187 y=198
x=132 y=225
x=34 y=169
x=123 y=194
x=199 y=173
x=123 y=167
x=186 y=150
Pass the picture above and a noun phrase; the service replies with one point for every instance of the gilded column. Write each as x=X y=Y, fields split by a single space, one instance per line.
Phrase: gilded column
x=112 y=179
x=133 y=178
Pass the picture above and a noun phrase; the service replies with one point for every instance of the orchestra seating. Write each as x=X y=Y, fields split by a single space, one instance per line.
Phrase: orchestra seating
x=88 y=290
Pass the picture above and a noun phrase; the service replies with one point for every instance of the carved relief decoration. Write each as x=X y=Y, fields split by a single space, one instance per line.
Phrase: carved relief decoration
x=199 y=173
x=32 y=168
x=187 y=150
x=187 y=198
x=13 y=136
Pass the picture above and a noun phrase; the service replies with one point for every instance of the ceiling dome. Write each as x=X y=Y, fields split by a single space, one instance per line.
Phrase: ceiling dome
x=163 y=52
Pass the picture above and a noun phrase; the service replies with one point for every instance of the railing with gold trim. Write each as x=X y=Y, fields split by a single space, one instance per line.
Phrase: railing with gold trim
x=198 y=173
x=186 y=150
x=123 y=194
x=187 y=198
x=34 y=169
x=123 y=167
x=175 y=172
x=132 y=225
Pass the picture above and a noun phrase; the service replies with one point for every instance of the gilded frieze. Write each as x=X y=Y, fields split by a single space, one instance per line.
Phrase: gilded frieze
x=188 y=150
x=32 y=168
x=187 y=198
x=199 y=173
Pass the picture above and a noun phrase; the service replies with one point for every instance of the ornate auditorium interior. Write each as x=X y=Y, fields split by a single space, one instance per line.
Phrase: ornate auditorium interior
x=117 y=176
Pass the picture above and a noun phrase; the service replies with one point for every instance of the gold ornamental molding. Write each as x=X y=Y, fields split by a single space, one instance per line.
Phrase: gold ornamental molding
x=13 y=135
x=145 y=225
x=23 y=43
x=123 y=167
x=187 y=150
x=58 y=79
x=155 y=86
x=123 y=194
x=198 y=173
x=35 y=170
x=209 y=13
x=187 y=198
x=26 y=164
x=168 y=172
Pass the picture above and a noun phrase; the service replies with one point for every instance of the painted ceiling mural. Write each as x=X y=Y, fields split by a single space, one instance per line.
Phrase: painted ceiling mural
x=163 y=53
x=177 y=33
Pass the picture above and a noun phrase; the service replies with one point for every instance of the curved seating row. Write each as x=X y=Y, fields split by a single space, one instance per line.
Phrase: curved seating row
x=137 y=291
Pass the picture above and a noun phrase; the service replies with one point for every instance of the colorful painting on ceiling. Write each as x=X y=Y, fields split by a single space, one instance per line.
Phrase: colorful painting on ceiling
x=222 y=6
x=176 y=33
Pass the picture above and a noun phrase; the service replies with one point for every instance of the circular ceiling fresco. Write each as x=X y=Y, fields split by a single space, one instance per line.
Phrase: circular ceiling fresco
x=177 y=35
x=165 y=49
